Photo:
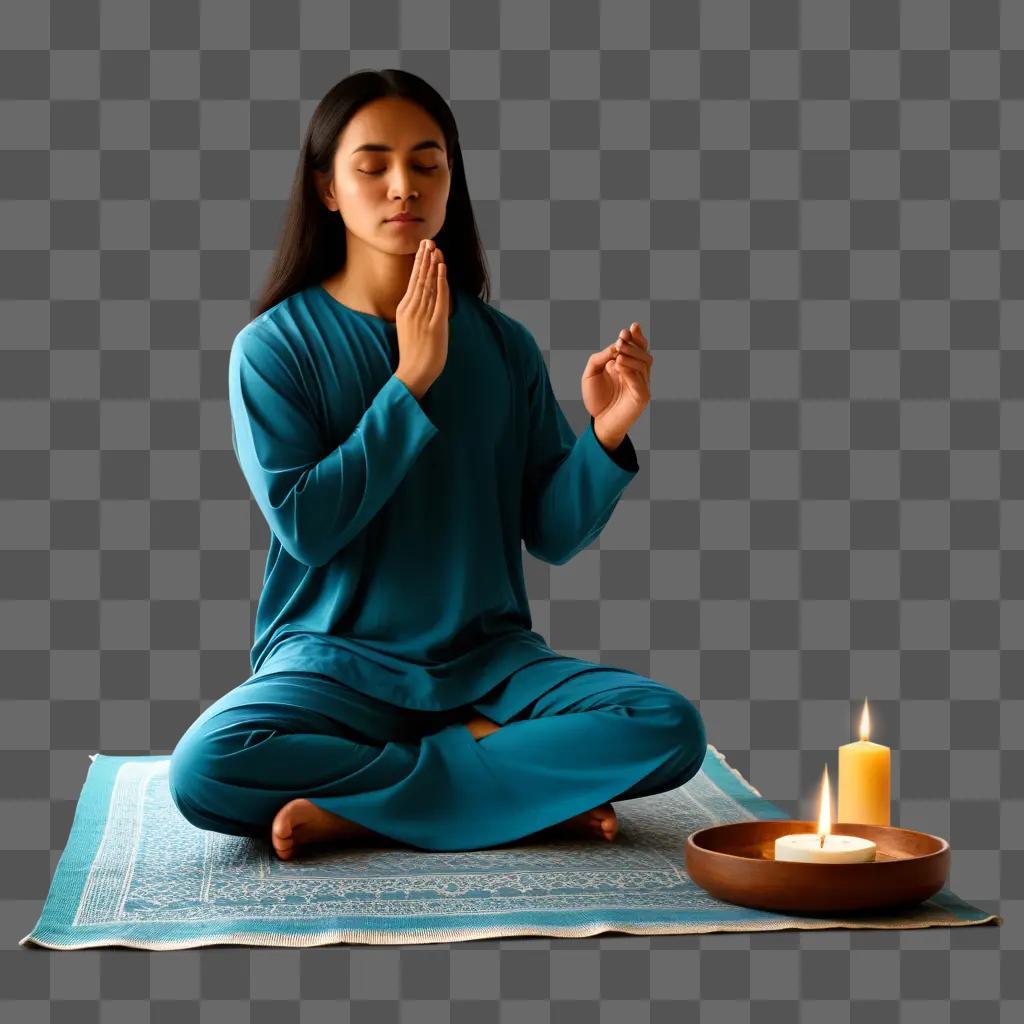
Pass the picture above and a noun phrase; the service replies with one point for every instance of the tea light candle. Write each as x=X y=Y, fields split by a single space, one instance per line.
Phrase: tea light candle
x=810 y=848
x=823 y=847
x=864 y=779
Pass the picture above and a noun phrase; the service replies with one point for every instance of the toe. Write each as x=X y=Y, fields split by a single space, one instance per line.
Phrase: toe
x=610 y=824
x=281 y=826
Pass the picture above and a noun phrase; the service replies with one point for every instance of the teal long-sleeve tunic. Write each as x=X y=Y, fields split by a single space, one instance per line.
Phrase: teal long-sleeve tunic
x=396 y=524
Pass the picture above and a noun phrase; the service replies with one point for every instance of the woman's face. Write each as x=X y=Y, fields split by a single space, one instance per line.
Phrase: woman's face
x=406 y=168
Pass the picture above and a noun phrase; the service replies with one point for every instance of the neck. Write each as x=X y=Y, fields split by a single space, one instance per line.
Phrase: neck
x=371 y=281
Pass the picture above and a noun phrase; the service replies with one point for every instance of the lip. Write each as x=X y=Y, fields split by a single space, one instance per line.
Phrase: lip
x=403 y=218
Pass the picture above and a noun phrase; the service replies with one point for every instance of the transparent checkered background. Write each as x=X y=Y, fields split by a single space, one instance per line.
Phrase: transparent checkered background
x=816 y=212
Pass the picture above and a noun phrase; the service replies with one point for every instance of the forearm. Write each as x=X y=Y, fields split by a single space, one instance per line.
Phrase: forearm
x=570 y=508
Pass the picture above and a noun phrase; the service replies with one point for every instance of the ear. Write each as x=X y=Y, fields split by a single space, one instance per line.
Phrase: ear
x=325 y=190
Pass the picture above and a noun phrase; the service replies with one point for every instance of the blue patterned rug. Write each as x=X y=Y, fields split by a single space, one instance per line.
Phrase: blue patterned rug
x=135 y=873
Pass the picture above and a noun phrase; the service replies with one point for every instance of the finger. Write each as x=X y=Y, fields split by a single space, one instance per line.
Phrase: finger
x=632 y=348
x=421 y=284
x=430 y=285
x=636 y=379
x=417 y=264
x=635 y=351
x=410 y=289
x=440 y=309
x=427 y=269
x=632 y=363
x=638 y=335
x=597 y=362
x=630 y=342
x=635 y=358
x=417 y=273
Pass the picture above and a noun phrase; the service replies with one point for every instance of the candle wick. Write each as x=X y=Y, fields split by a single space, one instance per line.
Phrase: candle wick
x=821 y=845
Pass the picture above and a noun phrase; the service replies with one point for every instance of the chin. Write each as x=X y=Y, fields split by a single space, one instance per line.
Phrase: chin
x=408 y=245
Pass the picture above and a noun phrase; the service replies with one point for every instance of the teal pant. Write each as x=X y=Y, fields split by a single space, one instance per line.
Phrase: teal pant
x=420 y=777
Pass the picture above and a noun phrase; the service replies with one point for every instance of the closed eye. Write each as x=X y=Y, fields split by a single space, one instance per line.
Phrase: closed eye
x=416 y=167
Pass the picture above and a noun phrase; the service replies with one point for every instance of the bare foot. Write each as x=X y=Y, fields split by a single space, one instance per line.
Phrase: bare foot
x=300 y=822
x=599 y=822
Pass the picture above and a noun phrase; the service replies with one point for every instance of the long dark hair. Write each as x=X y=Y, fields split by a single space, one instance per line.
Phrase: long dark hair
x=312 y=239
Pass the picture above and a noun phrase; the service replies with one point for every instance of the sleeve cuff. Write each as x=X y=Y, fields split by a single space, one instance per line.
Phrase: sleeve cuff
x=624 y=456
x=395 y=390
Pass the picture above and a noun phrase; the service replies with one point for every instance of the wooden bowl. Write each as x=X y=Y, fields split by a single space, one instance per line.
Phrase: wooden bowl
x=736 y=863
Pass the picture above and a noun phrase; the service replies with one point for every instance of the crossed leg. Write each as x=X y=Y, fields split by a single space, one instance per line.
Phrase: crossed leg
x=603 y=734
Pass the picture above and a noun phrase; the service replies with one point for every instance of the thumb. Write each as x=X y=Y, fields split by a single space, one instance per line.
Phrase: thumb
x=596 y=363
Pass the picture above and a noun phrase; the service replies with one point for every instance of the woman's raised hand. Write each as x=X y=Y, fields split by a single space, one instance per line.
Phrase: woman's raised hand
x=616 y=385
x=422 y=320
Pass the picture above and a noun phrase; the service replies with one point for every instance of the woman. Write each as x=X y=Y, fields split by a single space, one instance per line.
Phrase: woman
x=402 y=440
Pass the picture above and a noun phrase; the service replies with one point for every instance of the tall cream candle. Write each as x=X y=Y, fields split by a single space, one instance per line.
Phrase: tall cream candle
x=864 y=773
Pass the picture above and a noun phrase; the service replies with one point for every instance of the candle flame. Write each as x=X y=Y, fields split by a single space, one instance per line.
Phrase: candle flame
x=865 y=722
x=825 y=809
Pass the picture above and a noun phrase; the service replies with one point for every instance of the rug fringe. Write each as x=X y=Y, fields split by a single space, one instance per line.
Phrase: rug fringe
x=378 y=938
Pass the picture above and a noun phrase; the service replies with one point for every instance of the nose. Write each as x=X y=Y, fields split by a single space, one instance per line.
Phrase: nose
x=401 y=182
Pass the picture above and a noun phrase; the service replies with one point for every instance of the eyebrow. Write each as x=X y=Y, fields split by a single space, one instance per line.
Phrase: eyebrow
x=380 y=147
